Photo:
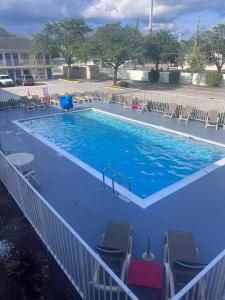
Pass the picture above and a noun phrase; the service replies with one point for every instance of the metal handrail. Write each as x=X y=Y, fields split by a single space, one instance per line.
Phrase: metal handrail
x=115 y=175
x=120 y=175
x=103 y=175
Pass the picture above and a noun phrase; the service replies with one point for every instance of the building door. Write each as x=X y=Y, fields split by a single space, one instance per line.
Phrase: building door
x=8 y=59
x=49 y=73
x=15 y=59
x=11 y=74
x=18 y=73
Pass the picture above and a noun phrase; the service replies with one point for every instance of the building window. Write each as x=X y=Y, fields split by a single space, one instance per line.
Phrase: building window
x=41 y=73
x=24 y=56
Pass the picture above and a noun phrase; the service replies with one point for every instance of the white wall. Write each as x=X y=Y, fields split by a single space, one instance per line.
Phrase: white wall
x=138 y=75
x=199 y=79
x=185 y=78
x=222 y=84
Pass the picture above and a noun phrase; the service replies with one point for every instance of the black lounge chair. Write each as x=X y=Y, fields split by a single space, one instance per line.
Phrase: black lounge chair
x=180 y=260
x=27 y=104
x=115 y=250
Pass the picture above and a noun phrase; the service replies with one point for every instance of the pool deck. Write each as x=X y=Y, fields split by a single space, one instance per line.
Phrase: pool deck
x=79 y=198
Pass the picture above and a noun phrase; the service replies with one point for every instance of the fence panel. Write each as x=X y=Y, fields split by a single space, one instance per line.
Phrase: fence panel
x=159 y=101
x=208 y=284
x=79 y=262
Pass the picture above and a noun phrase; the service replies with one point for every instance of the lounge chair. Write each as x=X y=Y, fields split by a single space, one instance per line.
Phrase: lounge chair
x=180 y=260
x=36 y=101
x=127 y=103
x=115 y=250
x=142 y=107
x=212 y=119
x=186 y=113
x=170 y=111
x=27 y=104
x=54 y=100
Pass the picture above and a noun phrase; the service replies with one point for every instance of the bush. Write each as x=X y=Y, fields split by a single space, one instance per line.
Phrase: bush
x=123 y=83
x=153 y=76
x=174 y=77
x=213 y=79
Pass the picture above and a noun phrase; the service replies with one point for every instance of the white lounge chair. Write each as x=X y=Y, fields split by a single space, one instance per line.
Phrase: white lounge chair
x=212 y=119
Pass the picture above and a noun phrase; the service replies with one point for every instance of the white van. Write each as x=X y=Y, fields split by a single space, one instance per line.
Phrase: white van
x=6 y=81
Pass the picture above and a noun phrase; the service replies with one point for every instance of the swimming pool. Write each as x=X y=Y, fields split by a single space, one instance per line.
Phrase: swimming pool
x=150 y=158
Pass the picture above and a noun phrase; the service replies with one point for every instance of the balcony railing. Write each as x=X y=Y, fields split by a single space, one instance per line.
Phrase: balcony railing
x=28 y=63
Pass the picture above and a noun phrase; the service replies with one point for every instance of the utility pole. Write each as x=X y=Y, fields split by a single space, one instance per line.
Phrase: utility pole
x=150 y=18
x=196 y=38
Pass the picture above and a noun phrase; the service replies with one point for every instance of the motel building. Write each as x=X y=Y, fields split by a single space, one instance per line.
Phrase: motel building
x=17 y=59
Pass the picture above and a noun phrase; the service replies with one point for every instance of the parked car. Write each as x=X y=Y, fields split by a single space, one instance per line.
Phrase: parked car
x=5 y=80
x=25 y=79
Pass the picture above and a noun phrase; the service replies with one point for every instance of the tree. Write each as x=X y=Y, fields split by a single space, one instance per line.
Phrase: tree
x=197 y=61
x=184 y=50
x=62 y=38
x=161 y=47
x=114 y=44
x=213 y=45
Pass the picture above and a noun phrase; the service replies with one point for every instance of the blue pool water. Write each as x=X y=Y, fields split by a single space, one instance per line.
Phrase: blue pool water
x=152 y=159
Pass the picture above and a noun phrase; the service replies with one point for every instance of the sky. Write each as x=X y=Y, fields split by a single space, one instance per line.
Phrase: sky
x=26 y=17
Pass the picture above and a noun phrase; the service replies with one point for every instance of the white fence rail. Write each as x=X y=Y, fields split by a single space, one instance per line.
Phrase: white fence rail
x=75 y=257
x=158 y=101
x=16 y=93
x=209 y=284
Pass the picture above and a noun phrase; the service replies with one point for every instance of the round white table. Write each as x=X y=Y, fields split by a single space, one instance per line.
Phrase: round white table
x=20 y=159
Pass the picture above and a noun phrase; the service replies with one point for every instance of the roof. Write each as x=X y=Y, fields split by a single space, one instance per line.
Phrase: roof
x=14 y=43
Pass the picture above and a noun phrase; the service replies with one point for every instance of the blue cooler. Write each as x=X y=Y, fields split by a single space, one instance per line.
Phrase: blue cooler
x=66 y=102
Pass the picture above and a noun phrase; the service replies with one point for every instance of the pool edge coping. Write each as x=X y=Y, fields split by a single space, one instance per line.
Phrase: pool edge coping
x=141 y=202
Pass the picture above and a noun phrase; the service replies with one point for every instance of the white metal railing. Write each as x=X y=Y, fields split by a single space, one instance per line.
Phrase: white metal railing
x=159 y=101
x=16 y=93
x=75 y=257
x=209 y=284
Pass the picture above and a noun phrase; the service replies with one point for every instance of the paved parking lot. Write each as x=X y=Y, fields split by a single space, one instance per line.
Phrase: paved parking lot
x=202 y=92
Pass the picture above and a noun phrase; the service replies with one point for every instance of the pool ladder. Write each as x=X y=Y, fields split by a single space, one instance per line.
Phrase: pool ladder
x=115 y=174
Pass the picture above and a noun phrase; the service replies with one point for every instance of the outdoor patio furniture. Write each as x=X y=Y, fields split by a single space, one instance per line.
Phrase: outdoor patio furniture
x=27 y=104
x=145 y=274
x=180 y=260
x=36 y=101
x=19 y=160
x=186 y=113
x=212 y=119
x=170 y=111
x=115 y=250
x=143 y=108
x=31 y=176
x=54 y=99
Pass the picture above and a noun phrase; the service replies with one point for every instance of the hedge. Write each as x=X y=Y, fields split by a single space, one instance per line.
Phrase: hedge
x=174 y=77
x=153 y=76
x=123 y=83
x=213 y=79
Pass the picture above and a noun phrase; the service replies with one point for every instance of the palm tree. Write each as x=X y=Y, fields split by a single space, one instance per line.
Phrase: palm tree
x=24 y=276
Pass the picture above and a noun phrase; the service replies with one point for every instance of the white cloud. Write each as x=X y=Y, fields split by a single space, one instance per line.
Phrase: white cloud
x=166 y=10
